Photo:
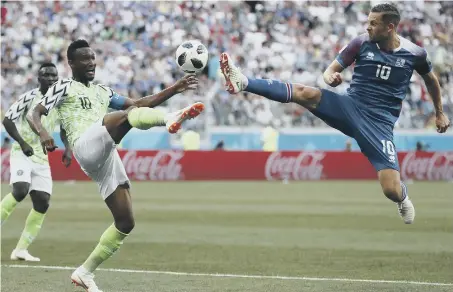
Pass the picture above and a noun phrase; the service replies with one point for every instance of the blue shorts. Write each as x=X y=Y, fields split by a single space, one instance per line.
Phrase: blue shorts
x=375 y=137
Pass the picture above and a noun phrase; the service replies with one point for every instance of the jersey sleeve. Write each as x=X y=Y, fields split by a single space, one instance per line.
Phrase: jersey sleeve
x=21 y=106
x=349 y=53
x=116 y=101
x=56 y=94
x=423 y=64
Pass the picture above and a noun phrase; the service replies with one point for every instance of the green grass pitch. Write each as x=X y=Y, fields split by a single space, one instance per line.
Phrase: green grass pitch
x=336 y=232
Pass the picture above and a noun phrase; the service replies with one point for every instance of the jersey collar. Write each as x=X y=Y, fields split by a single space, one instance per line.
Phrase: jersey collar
x=38 y=92
x=90 y=83
x=394 y=50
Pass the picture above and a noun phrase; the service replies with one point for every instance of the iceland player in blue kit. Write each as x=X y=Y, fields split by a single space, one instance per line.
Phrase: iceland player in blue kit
x=384 y=63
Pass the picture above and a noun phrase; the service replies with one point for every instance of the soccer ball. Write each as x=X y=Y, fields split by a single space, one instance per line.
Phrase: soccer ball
x=192 y=56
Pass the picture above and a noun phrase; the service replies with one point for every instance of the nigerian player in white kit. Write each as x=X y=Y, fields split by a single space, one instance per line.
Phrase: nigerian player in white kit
x=93 y=134
x=29 y=166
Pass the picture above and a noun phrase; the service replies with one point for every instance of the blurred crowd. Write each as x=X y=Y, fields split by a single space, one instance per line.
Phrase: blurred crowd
x=293 y=41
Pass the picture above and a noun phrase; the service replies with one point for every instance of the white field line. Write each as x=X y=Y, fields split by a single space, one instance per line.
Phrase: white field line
x=238 y=276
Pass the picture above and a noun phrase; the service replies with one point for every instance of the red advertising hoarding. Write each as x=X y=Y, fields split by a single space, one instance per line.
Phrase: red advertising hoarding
x=237 y=165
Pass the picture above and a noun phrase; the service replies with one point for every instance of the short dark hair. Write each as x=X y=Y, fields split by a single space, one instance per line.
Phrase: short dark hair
x=77 y=44
x=47 y=64
x=390 y=13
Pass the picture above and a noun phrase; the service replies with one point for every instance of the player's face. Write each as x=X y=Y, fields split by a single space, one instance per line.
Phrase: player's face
x=47 y=76
x=84 y=64
x=377 y=29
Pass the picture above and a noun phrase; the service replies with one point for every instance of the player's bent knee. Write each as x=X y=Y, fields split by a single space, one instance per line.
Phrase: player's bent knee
x=129 y=109
x=20 y=190
x=305 y=95
x=117 y=125
x=125 y=224
x=41 y=201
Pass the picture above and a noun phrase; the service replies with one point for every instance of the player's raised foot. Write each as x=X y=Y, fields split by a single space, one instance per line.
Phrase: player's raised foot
x=406 y=210
x=82 y=278
x=235 y=80
x=23 y=255
x=176 y=119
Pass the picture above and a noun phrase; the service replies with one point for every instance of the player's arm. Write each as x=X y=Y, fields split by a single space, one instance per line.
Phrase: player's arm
x=47 y=142
x=424 y=68
x=11 y=129
x=433 y=86
x=345 y=58
x=54 y=96
x=14 y=113
x=332 y=74
x=186 y=83
x=64 y=138
x=67 y=154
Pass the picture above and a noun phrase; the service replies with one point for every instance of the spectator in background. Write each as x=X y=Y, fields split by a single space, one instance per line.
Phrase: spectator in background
x=421 y=147
x=220 y=146
x=291 y=41
x=269 y=138
x=190 y=140
x=348 y=147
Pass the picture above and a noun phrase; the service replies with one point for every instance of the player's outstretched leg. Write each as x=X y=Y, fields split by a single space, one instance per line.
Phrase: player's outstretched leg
x=111 y=240
x=396 y=190
x=119 y=123
x=272 y=89
x=32 y=227
x=144 y=118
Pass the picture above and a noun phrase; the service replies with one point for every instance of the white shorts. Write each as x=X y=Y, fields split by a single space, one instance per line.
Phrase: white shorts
x=96 y=153
x=23 y=169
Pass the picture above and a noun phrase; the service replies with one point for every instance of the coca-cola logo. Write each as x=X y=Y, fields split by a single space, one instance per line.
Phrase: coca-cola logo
x=5 y=173
x=305 y=166
x=162 y=166
x=438 y=166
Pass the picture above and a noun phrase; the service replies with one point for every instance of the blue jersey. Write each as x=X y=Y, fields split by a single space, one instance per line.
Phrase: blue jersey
x=381 y=79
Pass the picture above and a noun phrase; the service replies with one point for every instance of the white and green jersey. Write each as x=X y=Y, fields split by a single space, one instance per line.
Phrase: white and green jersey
x=18 y=112
x=78 y=106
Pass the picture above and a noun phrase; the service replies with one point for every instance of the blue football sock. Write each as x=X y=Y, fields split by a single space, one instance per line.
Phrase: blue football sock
x=271 y=89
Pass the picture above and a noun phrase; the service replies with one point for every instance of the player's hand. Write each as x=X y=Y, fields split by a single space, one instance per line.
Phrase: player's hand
x=187 y=82
x=334 y=79
x=26 y=149
x=47 y=142
x=442 y=122
x=67 y=157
